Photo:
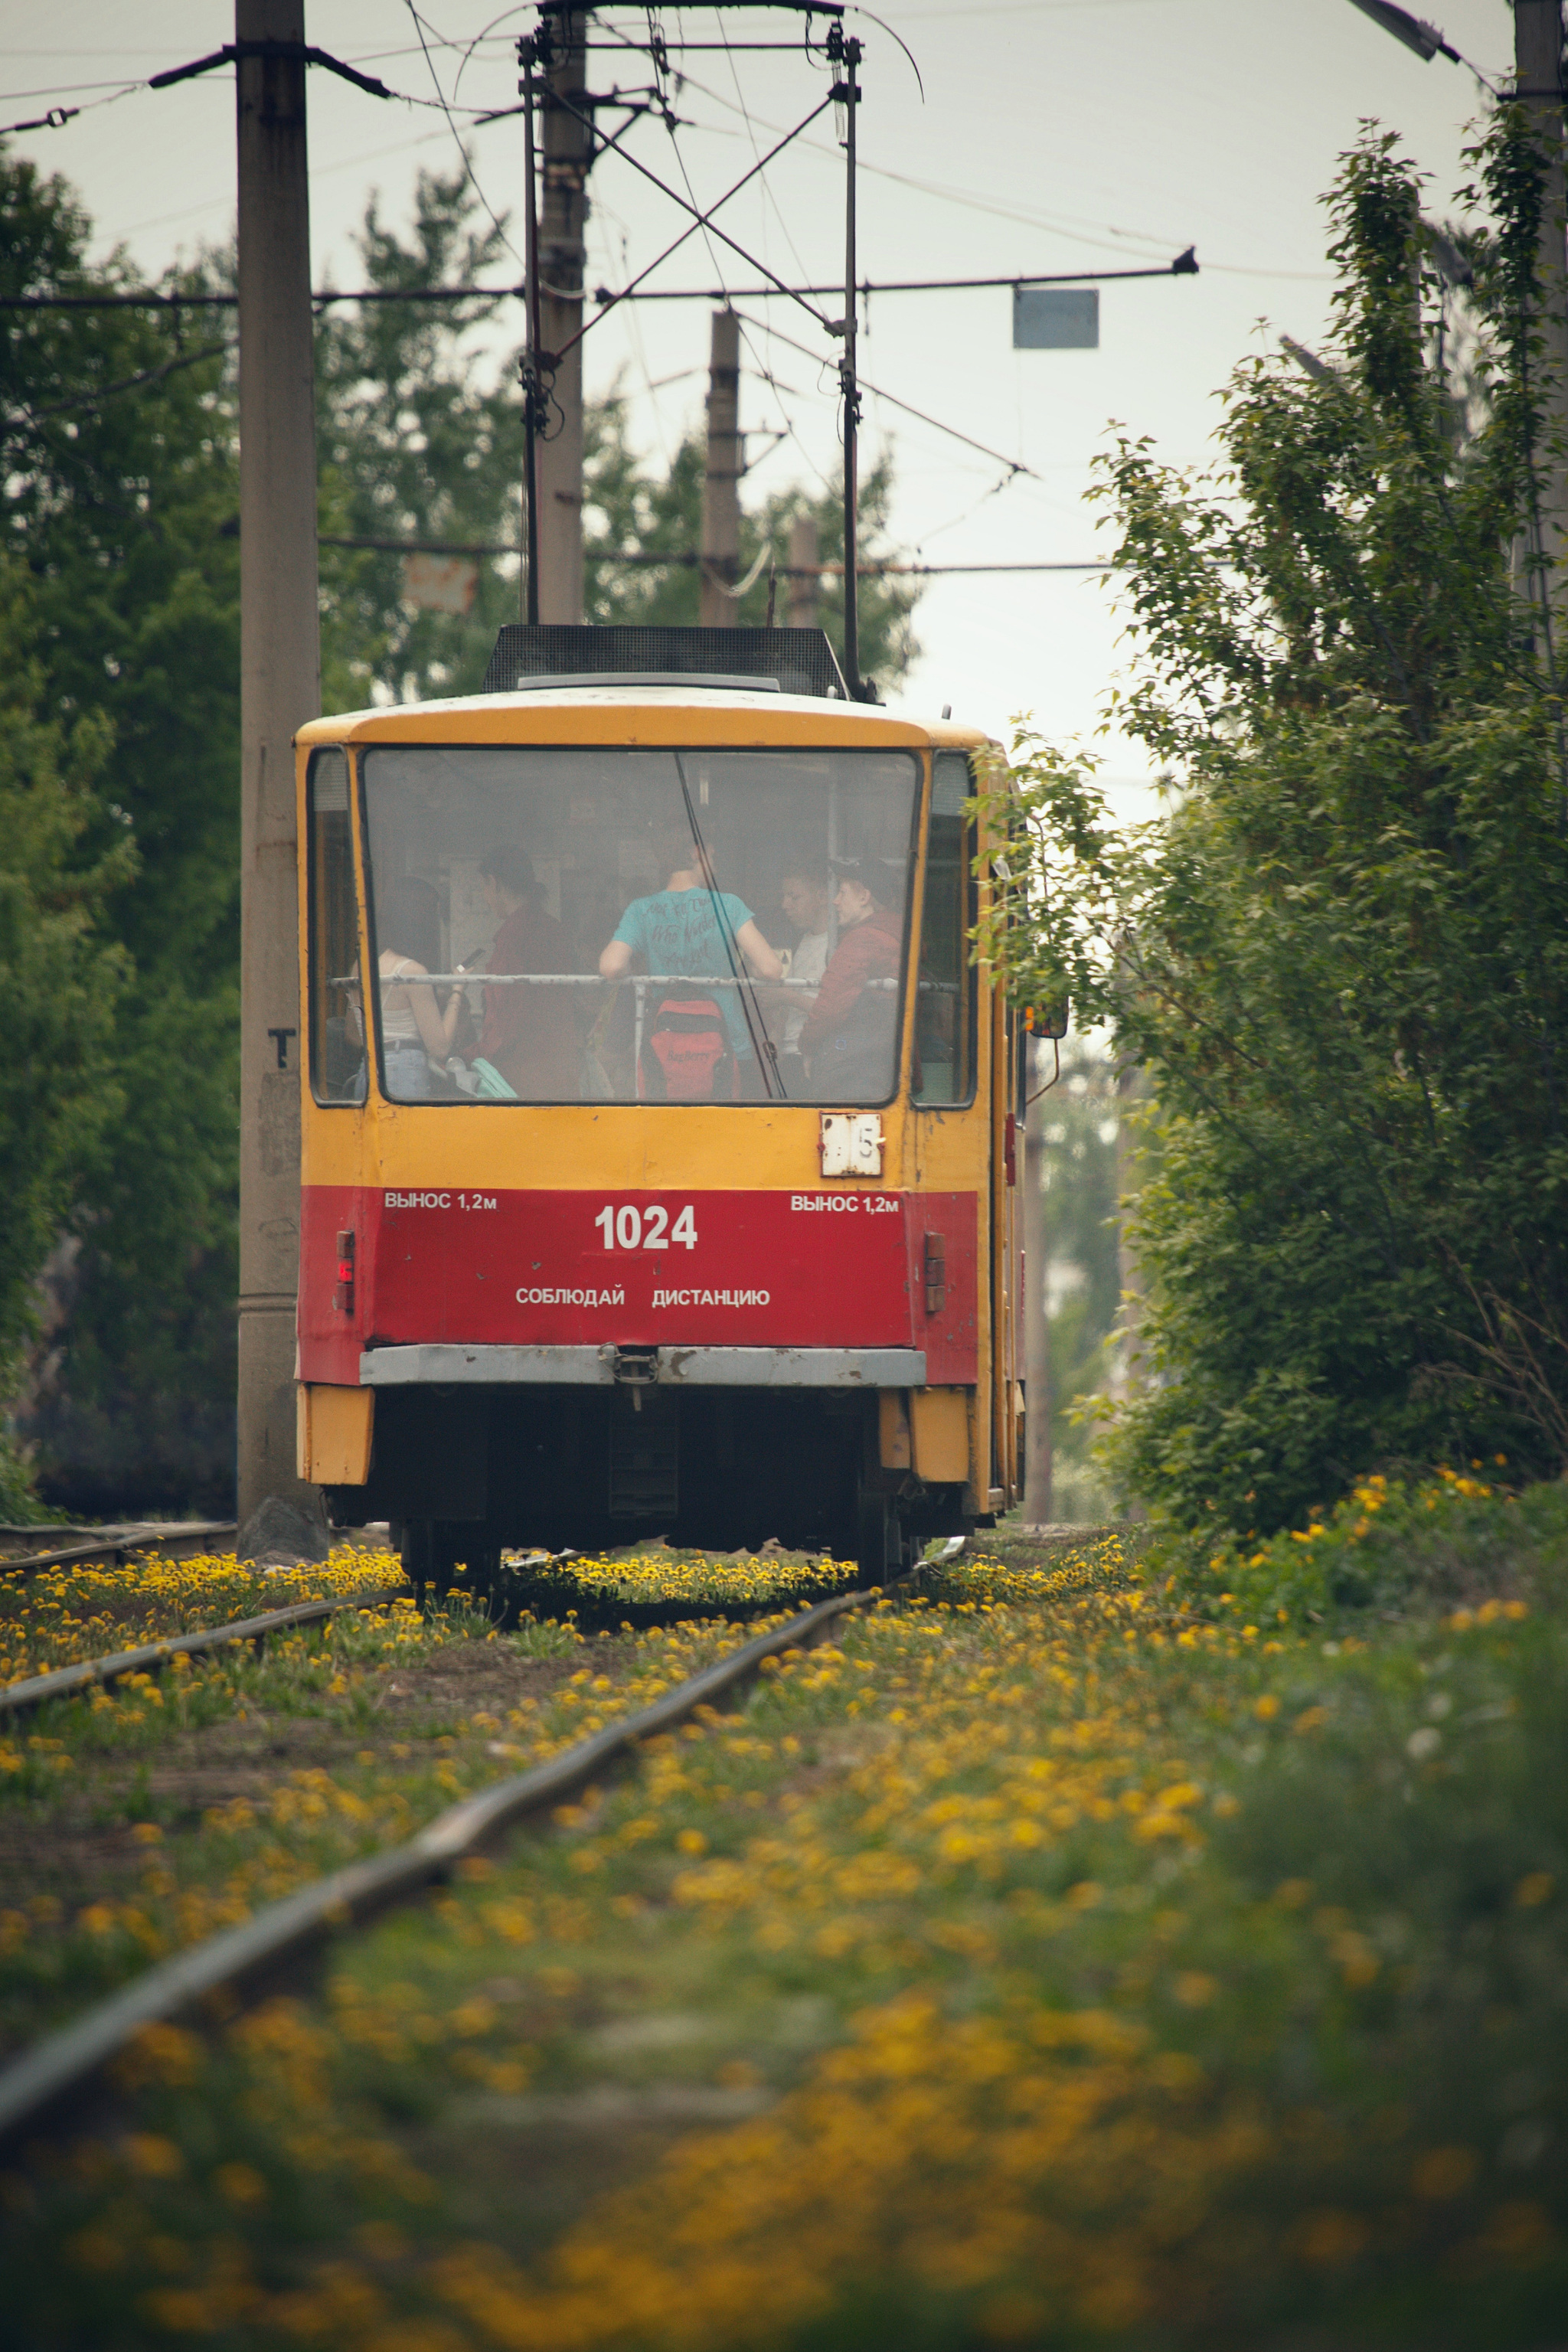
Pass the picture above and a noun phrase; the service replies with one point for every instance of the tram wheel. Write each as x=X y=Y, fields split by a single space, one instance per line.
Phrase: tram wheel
x=878 y=1536
x=484 y=1580
x=432 y=1548
x=416 y=1548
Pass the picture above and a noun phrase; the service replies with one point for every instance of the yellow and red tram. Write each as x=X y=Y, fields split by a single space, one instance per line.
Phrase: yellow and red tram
x=657 y=1144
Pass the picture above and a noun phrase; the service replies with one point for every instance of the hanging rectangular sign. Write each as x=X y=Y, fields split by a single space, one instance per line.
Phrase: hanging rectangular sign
x=1054 y=318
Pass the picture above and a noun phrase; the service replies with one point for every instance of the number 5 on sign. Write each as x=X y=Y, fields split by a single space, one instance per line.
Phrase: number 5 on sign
x=631 y=1228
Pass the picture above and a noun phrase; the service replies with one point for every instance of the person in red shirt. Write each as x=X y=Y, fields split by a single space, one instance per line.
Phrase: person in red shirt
x=530 y=1034
x=851 y=1032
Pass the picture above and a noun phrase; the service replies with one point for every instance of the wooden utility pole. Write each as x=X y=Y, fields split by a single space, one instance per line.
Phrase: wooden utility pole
x=803 y=601
x=722 y=477
x=564 y=210
x=1538 y=77
x=279 y=690
x=1035 y=1236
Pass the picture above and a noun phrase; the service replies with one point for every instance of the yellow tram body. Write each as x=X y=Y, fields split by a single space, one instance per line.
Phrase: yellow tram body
x=389 y=1404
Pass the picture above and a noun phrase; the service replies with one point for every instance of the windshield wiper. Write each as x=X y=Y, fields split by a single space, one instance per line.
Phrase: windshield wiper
x=763 y=1045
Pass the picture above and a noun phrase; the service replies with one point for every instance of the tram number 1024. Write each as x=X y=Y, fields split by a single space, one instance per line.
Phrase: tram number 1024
x=631 y=1228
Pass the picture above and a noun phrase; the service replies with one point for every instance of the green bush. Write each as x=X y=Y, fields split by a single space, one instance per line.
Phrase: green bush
x=1391 y=1549
x=1339 y=961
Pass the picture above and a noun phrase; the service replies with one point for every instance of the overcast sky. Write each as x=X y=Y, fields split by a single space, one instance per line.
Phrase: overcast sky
x=1052 y=135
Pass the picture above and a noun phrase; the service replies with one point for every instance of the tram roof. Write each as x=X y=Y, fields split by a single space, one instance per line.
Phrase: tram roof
x=608 y=712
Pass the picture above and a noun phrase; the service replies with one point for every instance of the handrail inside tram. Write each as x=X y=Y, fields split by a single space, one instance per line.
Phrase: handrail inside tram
x=668 y=677
x=686 y=980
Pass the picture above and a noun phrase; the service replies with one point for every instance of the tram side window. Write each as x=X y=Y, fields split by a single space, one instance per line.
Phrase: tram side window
x=337 y=1021
x=946 y=983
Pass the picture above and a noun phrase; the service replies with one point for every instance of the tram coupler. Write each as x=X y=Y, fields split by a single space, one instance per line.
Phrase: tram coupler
x=635 y=1368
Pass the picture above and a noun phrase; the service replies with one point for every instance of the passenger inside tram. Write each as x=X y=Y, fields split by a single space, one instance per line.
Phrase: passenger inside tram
x=530 y=1038
x=697 y=1047
x=416 y=1032
x=807 y=898
x=848 y=1036
x=566 y=891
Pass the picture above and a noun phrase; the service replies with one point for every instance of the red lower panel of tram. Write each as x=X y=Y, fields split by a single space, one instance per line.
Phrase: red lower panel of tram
x=815 y=1269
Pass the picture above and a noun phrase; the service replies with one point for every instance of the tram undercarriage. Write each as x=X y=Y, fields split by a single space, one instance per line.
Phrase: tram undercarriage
x=466 y=1472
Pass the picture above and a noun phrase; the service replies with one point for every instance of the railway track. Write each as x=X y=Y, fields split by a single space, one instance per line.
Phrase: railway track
x=98 y=1674
x=177 y=1541
x=39 y=2089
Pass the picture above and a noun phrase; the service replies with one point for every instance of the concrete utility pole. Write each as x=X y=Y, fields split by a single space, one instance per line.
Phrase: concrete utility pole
x=1129 y=1372
x=803 y=602
x=1037 y=1508
x=279 y=690
x=563 y=211
x=1538 y=77
x=847 y=91
x=721 y=481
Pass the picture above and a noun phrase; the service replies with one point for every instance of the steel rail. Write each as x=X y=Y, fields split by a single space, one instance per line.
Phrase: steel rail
x=147 y=1537
x=97 y=1673
x=67 y=2064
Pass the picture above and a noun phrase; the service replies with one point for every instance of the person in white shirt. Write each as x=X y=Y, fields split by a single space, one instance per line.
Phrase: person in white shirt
x=416 y=1031
x=807 y=904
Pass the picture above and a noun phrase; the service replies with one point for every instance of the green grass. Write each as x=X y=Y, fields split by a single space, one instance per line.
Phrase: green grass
x=136 y=1821
x=1053 y=1958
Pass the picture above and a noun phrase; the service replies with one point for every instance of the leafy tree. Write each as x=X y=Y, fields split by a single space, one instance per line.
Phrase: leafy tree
x=118 y=479
x=60 y=981
x=417 y=438
x=420 y=439
x=1341 y=959
x=1077 y=1121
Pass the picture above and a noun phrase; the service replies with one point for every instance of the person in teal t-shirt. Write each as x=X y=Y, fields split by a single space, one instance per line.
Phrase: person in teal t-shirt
x=700 y=932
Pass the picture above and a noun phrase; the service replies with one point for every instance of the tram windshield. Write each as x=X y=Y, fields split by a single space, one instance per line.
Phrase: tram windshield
x=608 y=925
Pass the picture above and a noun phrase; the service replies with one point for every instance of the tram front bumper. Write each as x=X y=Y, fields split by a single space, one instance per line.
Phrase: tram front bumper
x=608 y=1367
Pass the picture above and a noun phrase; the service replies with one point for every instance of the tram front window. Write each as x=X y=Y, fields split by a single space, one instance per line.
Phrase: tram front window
x=625 y=926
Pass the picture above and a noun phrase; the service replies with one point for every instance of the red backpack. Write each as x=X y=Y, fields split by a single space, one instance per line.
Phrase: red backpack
x=686 y=1054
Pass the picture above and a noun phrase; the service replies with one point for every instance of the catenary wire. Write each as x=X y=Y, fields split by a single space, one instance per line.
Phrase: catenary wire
x=999 y=456
x=700 y=220
x=778 y=391
x=744 y=324
x=705 y=220
x=1003 y=482
x=1055 y=225
x=468 y=50
x=767 y=193
x=467 y=166
x=58 y=116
